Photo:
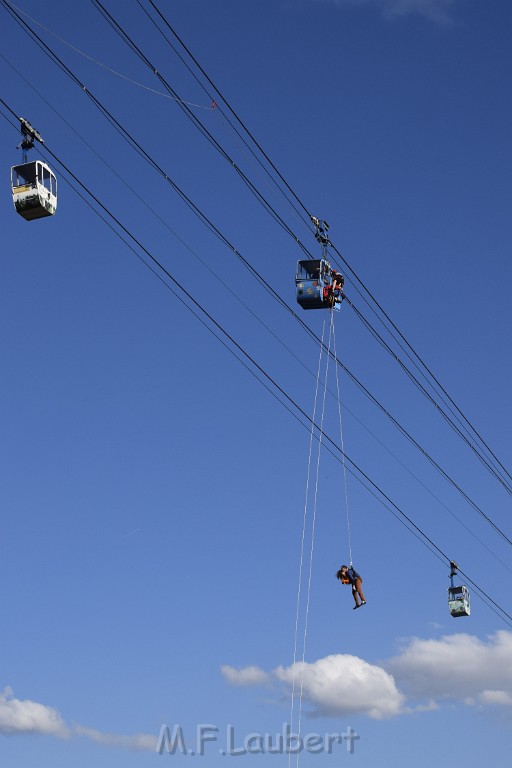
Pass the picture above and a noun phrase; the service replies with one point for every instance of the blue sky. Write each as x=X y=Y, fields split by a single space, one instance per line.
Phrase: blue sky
x=153 y=491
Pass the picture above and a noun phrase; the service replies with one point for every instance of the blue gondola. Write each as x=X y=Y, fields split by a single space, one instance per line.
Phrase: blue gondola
x=458 y=597
x=318 y=286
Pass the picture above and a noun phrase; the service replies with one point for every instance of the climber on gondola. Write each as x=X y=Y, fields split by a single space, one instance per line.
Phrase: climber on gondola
x=333 y=293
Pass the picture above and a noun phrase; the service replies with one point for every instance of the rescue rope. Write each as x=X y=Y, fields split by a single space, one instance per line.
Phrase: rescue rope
x=312 y=547
x=304 y=522
x=341 y=439
x=109 y=69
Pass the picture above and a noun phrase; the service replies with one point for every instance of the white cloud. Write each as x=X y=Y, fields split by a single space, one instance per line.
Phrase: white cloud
x=342 y=684
x=460 y=669
x=333 y=686
x=245 y=675
x=496 y=698
x=25 y=716
x=18 y=717
x=439 y=11
x=139 y=742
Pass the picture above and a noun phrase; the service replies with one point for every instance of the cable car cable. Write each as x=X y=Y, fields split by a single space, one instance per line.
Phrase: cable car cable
x=313 y=528
x=146 y=156
x=401 y=346
x=305 y=219
x=421 y=361
x=261 y=381
x=304 y=521
x=241 y=123
x=130 y=42
x=219 y=110
x=117 y=125
x=214 y=229
x=165 y=223
x=288 y=409
x=237 y=297
x=488 y=464
x=404 y=432
x=198 y=124
x=187 y=200
x=372 y=297
x=229 y=107
x=101 y=64
x=345 y=485
x=259 y=368
x=418 y=384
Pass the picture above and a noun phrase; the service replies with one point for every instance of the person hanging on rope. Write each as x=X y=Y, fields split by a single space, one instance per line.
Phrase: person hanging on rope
x=348 y=575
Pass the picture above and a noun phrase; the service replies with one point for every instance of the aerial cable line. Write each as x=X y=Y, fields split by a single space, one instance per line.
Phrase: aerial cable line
x=269 y=330
x=269 y=208
x=105 y=66
x=248 y=357
x=258 y=195
x=420 y=360
x=312 y=539
x=244 y=127
x=313 y=528
x=200 y=126
x=266 y=327
x=415 y=444
x=418 y=384
x=304 y=523
x=265 y=284
x=135 y=145
x=345 y=485
x=303 y=206
x=232 y=352
x=145 y=155
x=166 y=224
x=132 y=142
x=219 y=110
x=404 y=349
x=272 y=211
x=198 y=305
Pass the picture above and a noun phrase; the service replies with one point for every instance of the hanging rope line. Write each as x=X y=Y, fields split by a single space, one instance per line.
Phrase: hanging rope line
x=297 y=613
x=214 y=327
x=312 y=547
x=345 y=485
x=384 y=318
x=256 y=275
x=105 y=66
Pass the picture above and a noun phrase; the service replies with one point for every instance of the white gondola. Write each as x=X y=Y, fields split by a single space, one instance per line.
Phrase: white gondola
x=458 y=596
x=458 y=601
x=34 y=190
